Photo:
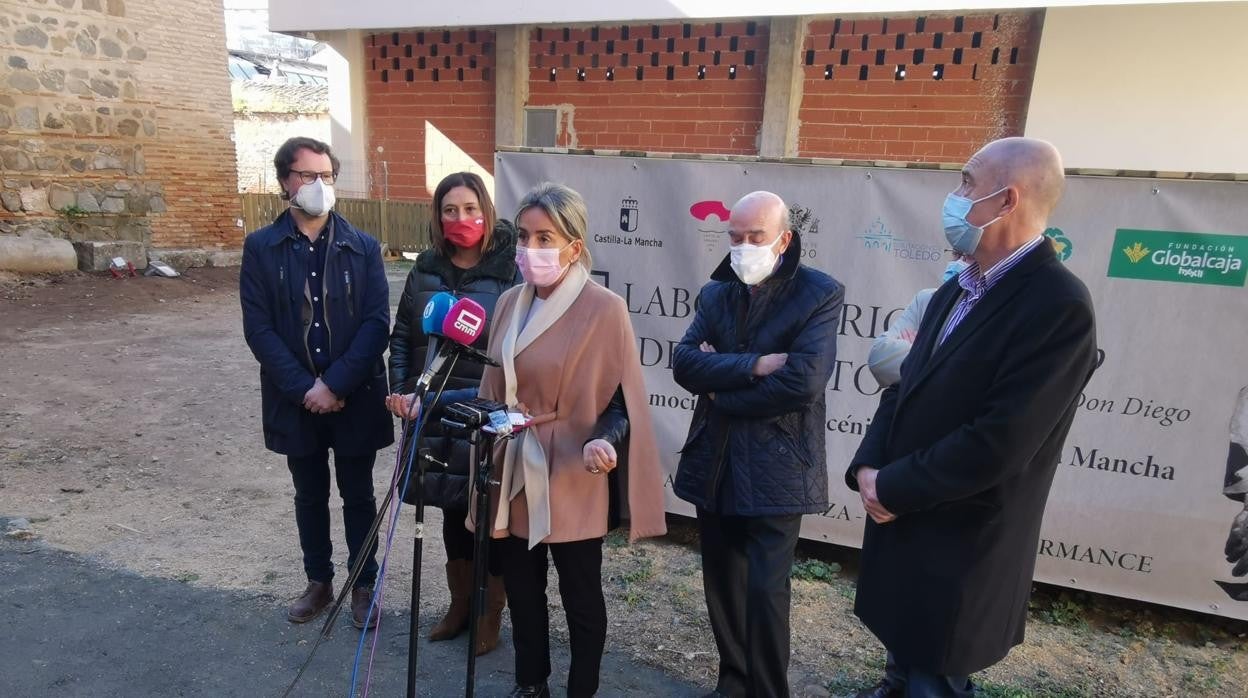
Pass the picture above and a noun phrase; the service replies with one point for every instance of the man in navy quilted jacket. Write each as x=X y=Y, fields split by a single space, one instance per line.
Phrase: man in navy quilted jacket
x=758 y=355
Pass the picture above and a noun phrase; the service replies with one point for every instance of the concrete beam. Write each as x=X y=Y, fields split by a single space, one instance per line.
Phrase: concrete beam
x=348 y=129
x=98 y=256
x=782 y=101
x=511 y=84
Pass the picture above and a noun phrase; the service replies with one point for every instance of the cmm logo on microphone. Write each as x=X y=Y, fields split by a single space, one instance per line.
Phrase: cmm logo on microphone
x=469 y=322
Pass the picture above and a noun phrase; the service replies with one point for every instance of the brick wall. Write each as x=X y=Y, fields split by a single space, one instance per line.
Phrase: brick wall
x=443 y=79
x=689 y=88
x=909 y=88
x=119 y=112
x=931 y=88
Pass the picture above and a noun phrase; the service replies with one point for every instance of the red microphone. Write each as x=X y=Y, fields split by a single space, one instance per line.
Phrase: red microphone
x=464 y=322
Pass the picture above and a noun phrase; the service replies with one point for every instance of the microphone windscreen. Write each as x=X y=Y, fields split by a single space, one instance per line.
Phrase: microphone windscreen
x=435 y=313
x=465 y=322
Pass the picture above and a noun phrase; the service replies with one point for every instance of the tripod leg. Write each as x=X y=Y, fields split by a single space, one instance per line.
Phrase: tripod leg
x=480 y=455
x=417 y=556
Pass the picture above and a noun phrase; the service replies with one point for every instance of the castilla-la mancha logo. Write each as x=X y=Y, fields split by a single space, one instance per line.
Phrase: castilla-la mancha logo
x=1186 y=258
x=630 y=212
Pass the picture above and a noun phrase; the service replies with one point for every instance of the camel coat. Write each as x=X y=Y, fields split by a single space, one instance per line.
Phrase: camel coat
x=568 y=359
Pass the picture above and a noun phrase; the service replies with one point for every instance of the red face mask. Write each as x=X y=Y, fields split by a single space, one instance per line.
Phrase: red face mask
x=464 y=233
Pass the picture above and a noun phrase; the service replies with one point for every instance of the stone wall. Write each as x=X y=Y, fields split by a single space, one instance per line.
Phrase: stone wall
x=115 y=122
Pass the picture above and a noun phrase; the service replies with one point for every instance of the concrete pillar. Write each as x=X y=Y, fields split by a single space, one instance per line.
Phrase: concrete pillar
x=511 y=84
x=344 y=61
x=782 y=101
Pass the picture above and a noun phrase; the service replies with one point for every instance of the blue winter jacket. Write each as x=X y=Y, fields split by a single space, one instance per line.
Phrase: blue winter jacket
x=757 y=447
x=276 y=316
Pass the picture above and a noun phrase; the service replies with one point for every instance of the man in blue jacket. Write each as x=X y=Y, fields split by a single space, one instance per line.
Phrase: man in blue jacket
x=758 y=355
x=316 y=314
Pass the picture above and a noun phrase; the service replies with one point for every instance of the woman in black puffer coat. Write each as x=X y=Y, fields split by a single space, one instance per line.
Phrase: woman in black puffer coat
x=473 y=256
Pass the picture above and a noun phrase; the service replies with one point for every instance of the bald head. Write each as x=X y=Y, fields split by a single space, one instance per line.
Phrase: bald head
x=763 y=205
x=1032 y=166
x=760 y=218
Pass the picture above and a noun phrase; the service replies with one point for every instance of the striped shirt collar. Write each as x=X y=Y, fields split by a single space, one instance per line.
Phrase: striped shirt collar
x=976 y=284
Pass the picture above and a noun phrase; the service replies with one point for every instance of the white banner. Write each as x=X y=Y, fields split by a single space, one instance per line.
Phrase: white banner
x=1138 y=506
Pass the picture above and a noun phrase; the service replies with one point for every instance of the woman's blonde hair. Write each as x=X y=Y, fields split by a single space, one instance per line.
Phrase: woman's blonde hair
x=566 y=210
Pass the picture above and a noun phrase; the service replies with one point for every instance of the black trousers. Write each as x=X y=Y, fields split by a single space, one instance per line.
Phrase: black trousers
x=580 y=586
x=355 y=485
x=917 y=683
x=746 y=561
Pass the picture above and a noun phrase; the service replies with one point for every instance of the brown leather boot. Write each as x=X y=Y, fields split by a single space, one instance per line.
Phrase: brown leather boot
x=361 y=600
x=315 y=598
x=459 y=581
x=492 y=620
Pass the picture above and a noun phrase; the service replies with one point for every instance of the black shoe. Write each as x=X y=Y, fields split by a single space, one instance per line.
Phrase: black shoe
x=538 y=691
x=882 y=689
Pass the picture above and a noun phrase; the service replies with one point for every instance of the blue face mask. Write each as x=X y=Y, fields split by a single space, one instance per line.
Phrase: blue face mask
x=955 y=267
x=962 y=236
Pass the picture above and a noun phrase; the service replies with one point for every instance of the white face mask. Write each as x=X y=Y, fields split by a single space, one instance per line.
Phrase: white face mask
x=315 y=199
x=753 y=263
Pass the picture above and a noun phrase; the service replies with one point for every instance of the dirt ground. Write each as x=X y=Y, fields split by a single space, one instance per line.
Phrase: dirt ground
x=129 y=432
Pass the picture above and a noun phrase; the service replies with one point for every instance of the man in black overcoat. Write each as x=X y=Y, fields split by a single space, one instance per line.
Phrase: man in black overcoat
x=955 y=469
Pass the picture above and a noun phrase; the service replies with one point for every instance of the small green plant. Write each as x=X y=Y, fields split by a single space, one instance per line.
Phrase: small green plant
x=815 y=570
x=617 y=539
x=73 y=211
x=641 y=573
x=1064 y=612
x=1045 y=688
x=187 y=577
x=843 y=683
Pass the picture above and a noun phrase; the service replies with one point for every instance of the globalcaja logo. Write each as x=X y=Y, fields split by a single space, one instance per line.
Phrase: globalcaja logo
x=1187 y=258
x=1136 y=252
x=880 y=237
x=1061 y=244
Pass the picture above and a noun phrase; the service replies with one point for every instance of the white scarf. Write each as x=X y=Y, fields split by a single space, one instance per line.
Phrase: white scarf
x=532 y=477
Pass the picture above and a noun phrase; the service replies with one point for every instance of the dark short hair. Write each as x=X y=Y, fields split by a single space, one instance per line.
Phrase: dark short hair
x=477 y=186
x=289 y=151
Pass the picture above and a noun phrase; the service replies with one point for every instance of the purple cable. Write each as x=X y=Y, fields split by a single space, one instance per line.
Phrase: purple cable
x=395 y=502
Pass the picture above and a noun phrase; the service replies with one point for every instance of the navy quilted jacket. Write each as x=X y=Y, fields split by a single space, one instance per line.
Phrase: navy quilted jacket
x=757 y=447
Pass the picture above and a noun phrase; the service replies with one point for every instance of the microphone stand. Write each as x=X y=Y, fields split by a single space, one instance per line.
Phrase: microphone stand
x=419 y=538
x=481 y=452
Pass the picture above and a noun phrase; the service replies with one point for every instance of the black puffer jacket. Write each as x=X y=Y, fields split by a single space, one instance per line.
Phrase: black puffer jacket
x=757 y=448
x=484 y=283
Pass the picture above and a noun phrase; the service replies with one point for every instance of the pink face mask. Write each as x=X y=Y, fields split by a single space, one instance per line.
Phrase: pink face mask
x=540 y=266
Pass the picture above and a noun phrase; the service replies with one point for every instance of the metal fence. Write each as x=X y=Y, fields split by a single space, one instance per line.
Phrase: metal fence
x=402 y=226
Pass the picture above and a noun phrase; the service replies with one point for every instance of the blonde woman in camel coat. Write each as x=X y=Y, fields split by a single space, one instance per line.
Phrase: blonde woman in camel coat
x=569 y=359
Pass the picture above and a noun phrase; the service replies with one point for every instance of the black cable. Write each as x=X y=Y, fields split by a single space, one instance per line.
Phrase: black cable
x=409 y=445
